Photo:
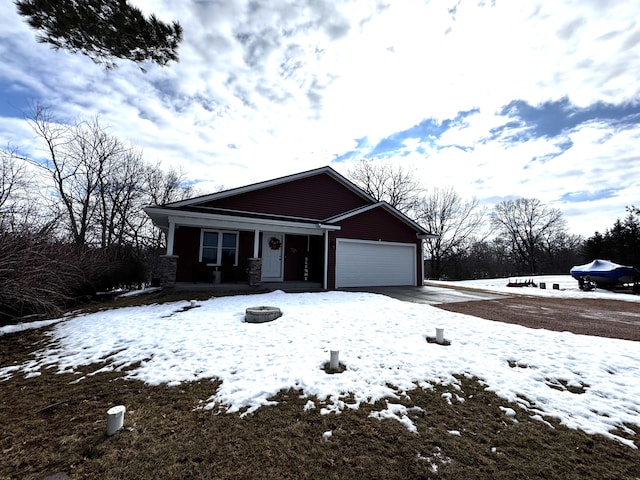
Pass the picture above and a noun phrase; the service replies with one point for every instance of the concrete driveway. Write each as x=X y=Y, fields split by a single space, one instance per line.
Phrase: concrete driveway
x=429 y=294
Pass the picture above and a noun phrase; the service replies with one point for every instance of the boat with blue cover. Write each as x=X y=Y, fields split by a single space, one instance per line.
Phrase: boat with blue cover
x=604 y=273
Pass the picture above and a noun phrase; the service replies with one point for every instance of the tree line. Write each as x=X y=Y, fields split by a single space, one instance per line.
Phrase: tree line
x=518 y=237
x=71 y=220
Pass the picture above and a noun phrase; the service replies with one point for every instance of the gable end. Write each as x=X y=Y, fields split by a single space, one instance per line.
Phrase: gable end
x=319 y=196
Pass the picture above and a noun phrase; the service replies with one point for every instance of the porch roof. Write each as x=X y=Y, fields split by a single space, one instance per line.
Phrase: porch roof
x=206 y=217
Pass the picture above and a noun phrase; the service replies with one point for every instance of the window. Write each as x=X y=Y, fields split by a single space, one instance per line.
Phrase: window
x=219 y=247
x=229 y=248
x=210 y=247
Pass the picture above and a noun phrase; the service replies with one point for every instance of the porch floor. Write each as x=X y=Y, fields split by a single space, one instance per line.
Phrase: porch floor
x=244 y=287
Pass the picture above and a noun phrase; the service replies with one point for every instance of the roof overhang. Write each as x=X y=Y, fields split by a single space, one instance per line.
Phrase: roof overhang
x=428 y=236
x=163 y=217
x=420 y=231
x=276 y=181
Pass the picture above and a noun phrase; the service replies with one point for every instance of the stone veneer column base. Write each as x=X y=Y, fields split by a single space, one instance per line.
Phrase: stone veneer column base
x=255 y=272
x=167 y=270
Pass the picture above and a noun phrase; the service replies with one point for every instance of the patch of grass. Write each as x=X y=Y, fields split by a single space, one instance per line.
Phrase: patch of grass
x=514 y=364
x=51 y=424
x=327 y=368
x=563 y=385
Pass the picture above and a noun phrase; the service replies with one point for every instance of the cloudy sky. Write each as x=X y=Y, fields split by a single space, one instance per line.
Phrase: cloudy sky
x=499 y=99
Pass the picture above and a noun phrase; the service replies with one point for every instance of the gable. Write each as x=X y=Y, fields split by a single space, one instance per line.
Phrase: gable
x=377 y=224
x=319 y=196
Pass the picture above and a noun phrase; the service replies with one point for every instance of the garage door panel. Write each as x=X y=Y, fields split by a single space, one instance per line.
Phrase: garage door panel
x=367 y=264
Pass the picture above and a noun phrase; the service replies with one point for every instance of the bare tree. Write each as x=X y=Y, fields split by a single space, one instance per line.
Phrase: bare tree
x=528 y=225
x=74 y=176
x=385 y=182
x=560 y=251
x=12 y=180
x=455 y=222
x=97 y=235
x=162 y=187
x=101 y=184
x=120 y=191
x=20 y=208
x=95 y=177
x=166 y=186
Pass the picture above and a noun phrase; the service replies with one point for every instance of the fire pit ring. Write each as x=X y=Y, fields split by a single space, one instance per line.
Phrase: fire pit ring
x=262 y=314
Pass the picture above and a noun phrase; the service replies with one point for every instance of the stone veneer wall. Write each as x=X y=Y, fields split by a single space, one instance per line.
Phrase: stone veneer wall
x=255 y=272
x=167 y=269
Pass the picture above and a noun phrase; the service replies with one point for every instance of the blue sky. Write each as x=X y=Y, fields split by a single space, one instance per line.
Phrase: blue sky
x=497 y=99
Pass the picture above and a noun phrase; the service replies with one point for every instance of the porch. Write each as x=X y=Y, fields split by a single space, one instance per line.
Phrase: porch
x=241 y=287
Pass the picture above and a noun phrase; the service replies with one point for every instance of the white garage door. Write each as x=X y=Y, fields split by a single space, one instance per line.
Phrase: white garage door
x=369 y=264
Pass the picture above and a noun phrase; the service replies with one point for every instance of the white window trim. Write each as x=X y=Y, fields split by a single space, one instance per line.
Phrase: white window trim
x=220 y=233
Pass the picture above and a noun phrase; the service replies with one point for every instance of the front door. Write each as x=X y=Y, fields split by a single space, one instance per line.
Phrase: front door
x=272 y=247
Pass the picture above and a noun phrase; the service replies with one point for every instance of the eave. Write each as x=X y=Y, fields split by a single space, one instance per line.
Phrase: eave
x=420 y=231
x=163 y=217
x=277 y=181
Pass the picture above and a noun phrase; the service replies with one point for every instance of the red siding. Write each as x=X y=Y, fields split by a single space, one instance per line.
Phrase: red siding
x=317 y=197
x=245 y=252
x=375 y=224
x=295 y=252
x=186 y=247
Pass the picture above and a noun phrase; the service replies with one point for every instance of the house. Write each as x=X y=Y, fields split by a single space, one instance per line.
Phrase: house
x=315 y=226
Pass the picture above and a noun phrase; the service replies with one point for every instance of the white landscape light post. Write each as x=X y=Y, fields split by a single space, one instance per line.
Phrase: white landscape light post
x=439 y=338
x=115 y=419
x=333 y=360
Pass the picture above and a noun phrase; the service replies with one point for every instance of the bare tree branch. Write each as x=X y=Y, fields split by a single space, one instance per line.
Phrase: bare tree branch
x=385 y=182
x=528 y=224
x=455 y=222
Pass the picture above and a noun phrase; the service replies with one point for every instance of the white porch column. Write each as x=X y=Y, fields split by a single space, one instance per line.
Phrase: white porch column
x=256 y=243
x=170 y=237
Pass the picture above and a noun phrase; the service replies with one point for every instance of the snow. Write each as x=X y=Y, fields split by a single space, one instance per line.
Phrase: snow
x=381 y=341
x=20 y=327
x=399 y=412
x=142 y=291
x=568 y=287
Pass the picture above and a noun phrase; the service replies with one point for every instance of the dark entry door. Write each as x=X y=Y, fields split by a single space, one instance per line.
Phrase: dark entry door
x=294 y=257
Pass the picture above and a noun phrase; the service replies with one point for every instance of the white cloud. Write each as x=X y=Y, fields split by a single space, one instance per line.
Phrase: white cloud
x=271 y=88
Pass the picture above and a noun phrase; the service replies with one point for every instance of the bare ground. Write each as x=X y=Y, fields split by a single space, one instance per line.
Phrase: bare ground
x=604 y=318
x=54 y=427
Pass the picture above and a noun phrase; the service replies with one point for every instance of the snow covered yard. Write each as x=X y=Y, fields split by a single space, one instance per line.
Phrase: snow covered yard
x=568 y=287
x=588 y=383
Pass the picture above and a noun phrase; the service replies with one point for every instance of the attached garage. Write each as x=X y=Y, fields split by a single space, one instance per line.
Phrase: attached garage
x=315 y=226
x=362 y=263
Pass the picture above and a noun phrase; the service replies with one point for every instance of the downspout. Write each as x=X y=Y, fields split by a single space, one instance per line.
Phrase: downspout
x=421 y=266
x=326 y=258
